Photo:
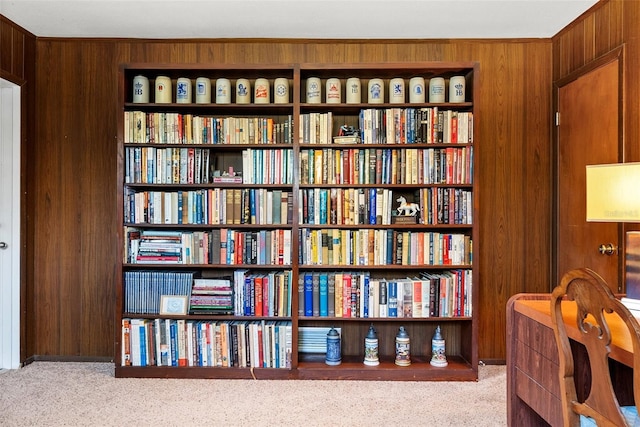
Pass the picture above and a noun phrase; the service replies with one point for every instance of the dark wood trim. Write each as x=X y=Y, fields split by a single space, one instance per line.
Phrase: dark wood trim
x=47 y=358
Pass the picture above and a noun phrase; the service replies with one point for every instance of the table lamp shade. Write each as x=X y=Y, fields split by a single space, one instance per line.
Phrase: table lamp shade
x=613 y=192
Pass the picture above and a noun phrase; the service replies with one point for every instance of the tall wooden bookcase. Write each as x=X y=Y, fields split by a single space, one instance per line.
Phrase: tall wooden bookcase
x=341 y=235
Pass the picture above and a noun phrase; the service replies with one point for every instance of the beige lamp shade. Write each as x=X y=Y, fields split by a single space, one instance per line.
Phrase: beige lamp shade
x=613 y=192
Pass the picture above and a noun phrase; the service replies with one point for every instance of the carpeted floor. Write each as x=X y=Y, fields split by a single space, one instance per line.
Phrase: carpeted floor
x=87 y=394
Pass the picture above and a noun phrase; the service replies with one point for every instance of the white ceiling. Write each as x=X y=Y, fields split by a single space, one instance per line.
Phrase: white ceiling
x=325 y=19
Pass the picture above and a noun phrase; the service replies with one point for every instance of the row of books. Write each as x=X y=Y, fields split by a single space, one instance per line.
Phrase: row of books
x=349 y=206
x=142 y=127
x=415 y=125
x=218 y=246
x=317 y=247
x=143 y=289
x=445 y=206
x=260 y=166
x=181 y=343
x=358 y=295
x=208 y=206
x=376 y=126
x=262 y=294
x=450 y=165
x=152 y=165
x=383 y=247
x=394 y=126
x=353 y=206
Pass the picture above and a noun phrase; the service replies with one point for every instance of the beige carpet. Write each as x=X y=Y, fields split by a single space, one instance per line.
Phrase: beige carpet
x=87 y=394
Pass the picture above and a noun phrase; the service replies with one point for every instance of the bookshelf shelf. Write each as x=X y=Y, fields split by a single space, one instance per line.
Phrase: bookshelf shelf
x=299 y=188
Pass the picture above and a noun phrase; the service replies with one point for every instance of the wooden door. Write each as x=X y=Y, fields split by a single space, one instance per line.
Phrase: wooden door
x=588 y=133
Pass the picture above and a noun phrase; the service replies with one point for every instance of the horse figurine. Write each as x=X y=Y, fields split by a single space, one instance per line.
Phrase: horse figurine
x=407 y=209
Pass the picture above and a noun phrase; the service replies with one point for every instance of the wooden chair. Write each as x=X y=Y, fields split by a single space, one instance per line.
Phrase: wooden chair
x=593 y=298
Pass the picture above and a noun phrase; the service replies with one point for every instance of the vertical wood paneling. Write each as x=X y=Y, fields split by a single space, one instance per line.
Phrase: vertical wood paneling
x=537 y=164
x=590 y=39
x=499 y=150
x=577 y=53
x=75 y=181
x=95 y=164
x=6 y=46
x=603 y=29
x=623 y=14
x=572 y=43
x=52 y=250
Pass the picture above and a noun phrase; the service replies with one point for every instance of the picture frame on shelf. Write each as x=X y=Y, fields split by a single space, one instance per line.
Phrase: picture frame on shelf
x=174 y=304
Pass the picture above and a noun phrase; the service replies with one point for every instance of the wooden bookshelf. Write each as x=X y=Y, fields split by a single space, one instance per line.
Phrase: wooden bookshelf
x=459 y=327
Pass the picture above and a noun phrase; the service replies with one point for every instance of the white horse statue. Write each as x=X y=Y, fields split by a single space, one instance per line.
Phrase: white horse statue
x=407 y=209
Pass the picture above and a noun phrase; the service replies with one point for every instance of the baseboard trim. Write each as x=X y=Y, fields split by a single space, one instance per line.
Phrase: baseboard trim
x=48 y=358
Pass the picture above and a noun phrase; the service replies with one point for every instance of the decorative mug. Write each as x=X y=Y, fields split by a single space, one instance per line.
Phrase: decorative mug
x=416 y=90
x=281 y=91
x=396 y=91
x=376 y=91
x=457 y=89
x=354 y=95
x=203 y=90
x=140 y=89
x=261 y=91
x=436 y=90
x=313 y=90
x=183 y=91
x=163 y=90
x=333 y=91
x=243 y=91
x=223 y=91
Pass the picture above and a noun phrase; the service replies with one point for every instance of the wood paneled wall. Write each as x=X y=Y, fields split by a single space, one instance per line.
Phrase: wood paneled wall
x=17 y=51
x=75 y=170
x=609 y=25
x=17 y=65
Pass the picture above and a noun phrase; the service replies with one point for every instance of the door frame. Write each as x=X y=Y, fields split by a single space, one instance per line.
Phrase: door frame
x=11 y=113
x=616 y=54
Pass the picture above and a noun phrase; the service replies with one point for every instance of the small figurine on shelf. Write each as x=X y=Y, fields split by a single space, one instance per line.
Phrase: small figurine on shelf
x=438 y=357
x=406 y=213
x=407 y=209
x=334 y=356
x=403 y=348
x=371 y=348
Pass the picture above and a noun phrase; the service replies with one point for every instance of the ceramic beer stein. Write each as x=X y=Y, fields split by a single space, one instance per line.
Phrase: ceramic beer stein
x=183 y=91
x=203 y=90
x=163 y=90
x=140 y=89
x=376 y=91
x=261 y=92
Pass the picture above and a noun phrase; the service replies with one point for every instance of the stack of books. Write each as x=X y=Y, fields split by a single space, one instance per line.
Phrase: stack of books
x=211 y=296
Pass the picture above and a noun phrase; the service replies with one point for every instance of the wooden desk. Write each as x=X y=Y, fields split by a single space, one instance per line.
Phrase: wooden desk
x=533 y=390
